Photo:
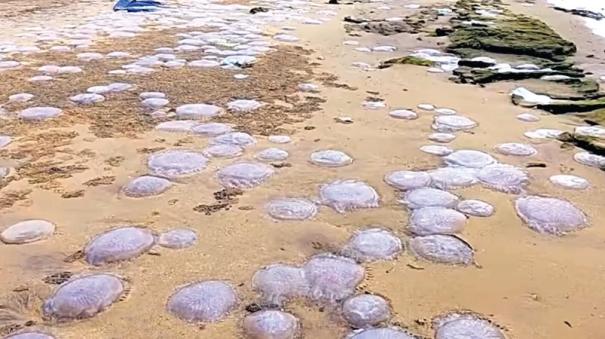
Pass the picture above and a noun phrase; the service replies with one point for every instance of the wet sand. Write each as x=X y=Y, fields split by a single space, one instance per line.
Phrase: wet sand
x=534 y=286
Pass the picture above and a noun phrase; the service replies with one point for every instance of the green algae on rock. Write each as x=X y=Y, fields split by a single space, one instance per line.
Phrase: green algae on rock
x=406 y=60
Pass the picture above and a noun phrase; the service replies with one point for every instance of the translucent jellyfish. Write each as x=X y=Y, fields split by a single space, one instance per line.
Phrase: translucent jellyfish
x=244 y=174
x=280 y=139
x=118 y=244
x=543 y=133
x=207 y=301
x=347 y=195
x=453 y=177
x=20 y=97
x=89 y=56
x=87 y=98
x=569 y=181
x=452 y=123
x=442 y=137
x=475 y=208
x=146 y=186
x=271 y=324
x=469 y=158
x=285 y=38
x=330 y=158
x=332 y=278
x=244 y=106
x=119 y=87
x=4 y=171
x=177 y=238
x=39 y=78
x=308 y=87
x=8 y=64
x=223 y=151
x=69 y=70
x=176 y=163
x=437 y=150
x=381 y=333
x=27 y=231
x=30 y=335
x=204 y=63
x=183 y=126
x=528 y=117
x=426 y=107
x=407 y=180
x=98 y=89
x=550 y=215
x=5 y=140
x=445 y=111
x=198 y=111
x=516 y=149
x=155 y=103
x=429 y=197
x=503 y=178
x=442 y=249
x=405 y=114
x=373 y=104
x=149 y=95
x=83 y=297
x=365 y=310
x=436 y=220
x=272 y=154
x=39 y=113
x=373 y=244
x=589 y=159
x=235 y=138
x=291 y=209
x=465 y=325
x=211 y=129
x=279 y=283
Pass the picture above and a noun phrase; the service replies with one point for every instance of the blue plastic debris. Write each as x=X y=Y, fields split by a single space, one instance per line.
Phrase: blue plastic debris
x=137 y=5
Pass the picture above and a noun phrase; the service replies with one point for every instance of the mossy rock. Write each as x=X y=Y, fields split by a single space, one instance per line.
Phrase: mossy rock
x=591 y=144
x=595 y=117
x=407 y=60
x=483 y=75
x=573 y=106
x=510 y=34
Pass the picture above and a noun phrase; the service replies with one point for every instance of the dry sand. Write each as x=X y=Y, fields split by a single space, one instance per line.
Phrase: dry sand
x=535 y=286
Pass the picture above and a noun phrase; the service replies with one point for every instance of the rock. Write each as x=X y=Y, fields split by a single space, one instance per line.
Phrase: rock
x=83 y=297
x=270 y=324
x=407 y=60
x=365 y=310
x=205 y=302
x=442 y=249
x=27 y=231
x=550 y=215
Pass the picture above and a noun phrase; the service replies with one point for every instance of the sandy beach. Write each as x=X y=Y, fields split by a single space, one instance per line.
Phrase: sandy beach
x=71 y=170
